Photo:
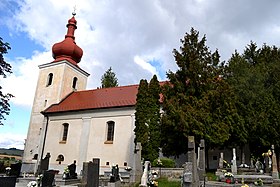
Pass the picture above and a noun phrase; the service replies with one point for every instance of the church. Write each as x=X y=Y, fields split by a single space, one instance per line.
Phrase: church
x=72 y=123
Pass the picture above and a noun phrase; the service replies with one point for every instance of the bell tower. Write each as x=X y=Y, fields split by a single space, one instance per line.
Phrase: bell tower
x=56 y=80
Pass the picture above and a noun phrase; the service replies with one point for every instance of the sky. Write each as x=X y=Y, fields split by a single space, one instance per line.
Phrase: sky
x=135 y=38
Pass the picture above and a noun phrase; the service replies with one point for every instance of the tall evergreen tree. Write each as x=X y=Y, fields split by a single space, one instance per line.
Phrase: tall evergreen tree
x=154 y=118
x=147 y=118
x=141 y=122
x=4 y=69
x=254 y=75
x=109 y=79
x=195 y=98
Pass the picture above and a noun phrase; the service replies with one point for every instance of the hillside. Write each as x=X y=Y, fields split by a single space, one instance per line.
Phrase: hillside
x=11 y=151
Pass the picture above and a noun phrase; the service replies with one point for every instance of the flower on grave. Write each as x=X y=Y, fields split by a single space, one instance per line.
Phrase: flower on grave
x=39 y=177
x=226 y=164
x=268 y=153
x=228 y=174
x=154 y=172
x=245 y=185
x=159 y=162
x=66 y=170
x=32 y=184
x=153 y=183
x=259 y=182
x=8 y=168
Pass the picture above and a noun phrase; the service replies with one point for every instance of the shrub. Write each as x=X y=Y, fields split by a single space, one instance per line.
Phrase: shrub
x=165 y=163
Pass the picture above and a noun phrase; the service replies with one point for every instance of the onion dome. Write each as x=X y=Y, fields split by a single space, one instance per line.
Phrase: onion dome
x=68 y=49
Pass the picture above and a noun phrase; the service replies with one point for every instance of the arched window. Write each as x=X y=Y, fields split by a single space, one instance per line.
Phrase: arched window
x=65 y=131
x=60 y=158
x=35 y=157
x=74 y=84
x=50 y=79
x=110 y=130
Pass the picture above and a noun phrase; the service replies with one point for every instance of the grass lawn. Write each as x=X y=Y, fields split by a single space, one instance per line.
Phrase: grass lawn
x=163 y=182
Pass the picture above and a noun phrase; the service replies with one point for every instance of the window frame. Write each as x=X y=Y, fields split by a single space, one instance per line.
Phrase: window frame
x=74 y=83
x=110 y=132
x=50 y=79
x=64 y=133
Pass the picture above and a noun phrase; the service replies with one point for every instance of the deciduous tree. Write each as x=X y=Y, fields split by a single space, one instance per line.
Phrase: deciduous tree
x=4 y=69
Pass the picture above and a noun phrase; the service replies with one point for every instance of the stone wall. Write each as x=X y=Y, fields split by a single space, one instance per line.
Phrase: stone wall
x=175 y=173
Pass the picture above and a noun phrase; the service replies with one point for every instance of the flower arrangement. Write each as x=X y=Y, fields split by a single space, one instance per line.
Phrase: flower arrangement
x=153 y=183
x=228 y=174
x=66 y=170
x=226 y=164
x=32 y=184
x=153 y=175
x=259 y=182
x=66 y=173
x=159 y=162
x=268 y=153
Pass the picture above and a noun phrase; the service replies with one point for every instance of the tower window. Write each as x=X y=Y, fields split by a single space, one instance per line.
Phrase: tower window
x=35 y=157
x=110 y=131
x=74 y=84
x=65 y=132
x=50 y=79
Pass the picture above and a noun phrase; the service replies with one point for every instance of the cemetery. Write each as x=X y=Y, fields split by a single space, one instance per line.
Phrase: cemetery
x=193 y=173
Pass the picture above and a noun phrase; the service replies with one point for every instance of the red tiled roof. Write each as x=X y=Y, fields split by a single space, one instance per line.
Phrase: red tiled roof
x=96 y=99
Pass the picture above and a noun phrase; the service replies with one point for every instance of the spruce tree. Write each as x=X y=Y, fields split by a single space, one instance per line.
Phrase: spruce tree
x=109 y=79
x=194 y=98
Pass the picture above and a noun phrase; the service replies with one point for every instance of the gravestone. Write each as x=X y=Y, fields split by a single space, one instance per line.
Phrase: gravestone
x=15 y=169
x=90 y=176
x=190 y=175
x=115 y=177
x=219 y=171
x=275 y=173
x=201 y=160
x=266 y=163
x=234 y=166
x=144 y=178
x=48 y=178
x=8 y=181
x=72 y=170
x=137 y=167
x=221 y=160
x=44 y=164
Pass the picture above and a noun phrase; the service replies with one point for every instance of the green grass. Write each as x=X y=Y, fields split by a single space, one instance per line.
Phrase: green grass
x=211 y=176
x=163 y=182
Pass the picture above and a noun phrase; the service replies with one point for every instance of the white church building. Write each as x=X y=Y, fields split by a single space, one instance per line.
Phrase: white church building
x=72 y=123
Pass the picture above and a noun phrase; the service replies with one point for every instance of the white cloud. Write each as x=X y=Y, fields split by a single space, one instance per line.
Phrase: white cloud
x=12 y=140
x=145 y=65
x=23 y=82
x=127 y=35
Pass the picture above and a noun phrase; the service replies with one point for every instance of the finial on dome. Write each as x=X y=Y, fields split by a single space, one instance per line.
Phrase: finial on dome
x=74 y=12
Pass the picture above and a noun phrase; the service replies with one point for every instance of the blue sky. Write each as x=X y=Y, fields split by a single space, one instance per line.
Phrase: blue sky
x=136 y=39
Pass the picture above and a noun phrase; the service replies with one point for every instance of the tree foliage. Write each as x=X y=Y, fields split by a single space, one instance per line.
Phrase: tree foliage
x=4 y=69
x=109 y=79
x=254 y=76
x=147 y=118
x=197 y=100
